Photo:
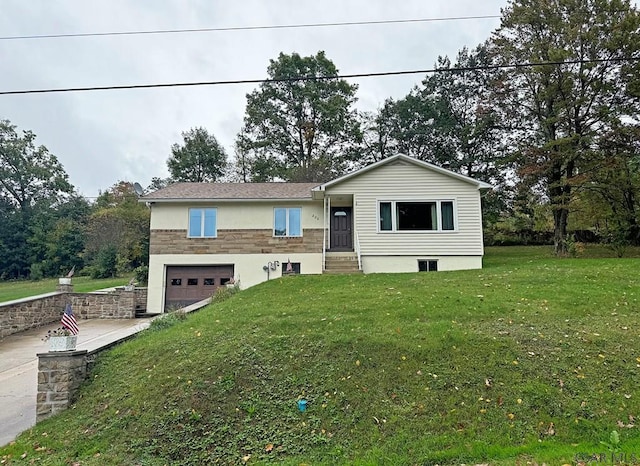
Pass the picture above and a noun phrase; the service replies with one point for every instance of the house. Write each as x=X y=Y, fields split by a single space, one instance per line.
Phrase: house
x=396 y=215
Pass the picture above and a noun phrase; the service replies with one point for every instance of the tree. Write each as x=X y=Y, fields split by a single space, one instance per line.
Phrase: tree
x=158 y=183
x=117 y=232
x=300 y=125
x=449 y=121
x=57 y=238
x=560 y=111
x=377 y=142
x=616 y=181
x=29 y=174
x=200 y=159
x=32 y=182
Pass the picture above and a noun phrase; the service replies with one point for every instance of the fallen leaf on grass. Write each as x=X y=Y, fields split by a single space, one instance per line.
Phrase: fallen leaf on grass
x=269 y=448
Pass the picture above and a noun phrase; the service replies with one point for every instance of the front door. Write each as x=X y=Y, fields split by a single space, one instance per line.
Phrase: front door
x=341 y=235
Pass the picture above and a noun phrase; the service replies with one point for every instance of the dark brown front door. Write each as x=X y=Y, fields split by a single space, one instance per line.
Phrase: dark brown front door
x=341 y=236
x=190 y=284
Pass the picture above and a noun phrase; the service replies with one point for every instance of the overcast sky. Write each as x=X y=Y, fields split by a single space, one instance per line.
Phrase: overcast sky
x=102 y=137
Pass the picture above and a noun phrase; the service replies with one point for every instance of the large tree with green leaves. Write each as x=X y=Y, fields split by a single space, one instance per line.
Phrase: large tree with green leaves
x=117 y=232
x=558 y=112
x=29 y=174
x=32 y=181
x=200 y=158
x=57 y=238
x=449 y=120
x=300 y=125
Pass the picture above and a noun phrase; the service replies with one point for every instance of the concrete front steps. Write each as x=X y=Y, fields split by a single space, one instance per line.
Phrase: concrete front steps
x=341 y=263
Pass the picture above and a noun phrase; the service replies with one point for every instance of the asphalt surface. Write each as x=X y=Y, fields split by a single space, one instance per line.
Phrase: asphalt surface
x=19 y=367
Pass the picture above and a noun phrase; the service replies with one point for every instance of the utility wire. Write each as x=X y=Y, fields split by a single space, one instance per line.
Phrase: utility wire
x=247 y=28
x=319 y=78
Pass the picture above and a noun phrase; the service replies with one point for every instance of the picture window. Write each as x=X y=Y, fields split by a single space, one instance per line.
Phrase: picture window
x=416 y=216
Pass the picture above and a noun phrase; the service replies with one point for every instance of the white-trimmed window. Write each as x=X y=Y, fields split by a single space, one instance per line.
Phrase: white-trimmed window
x=287 y=221
x=416 y=216
x=202 y=223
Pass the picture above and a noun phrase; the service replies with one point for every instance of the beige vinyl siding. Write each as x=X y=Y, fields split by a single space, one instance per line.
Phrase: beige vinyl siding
x=403 y=181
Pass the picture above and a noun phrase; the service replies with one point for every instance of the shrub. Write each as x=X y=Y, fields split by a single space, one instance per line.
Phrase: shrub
x=142 y=274
x=105 y=263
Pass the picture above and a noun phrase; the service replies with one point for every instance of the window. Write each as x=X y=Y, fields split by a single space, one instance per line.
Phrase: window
x=202 y=223
x=427 y=266
x=446 y=207
x=176 y=282
x=287 y=221
x=224 y=281
x=192 y=282
x=416 y=216
x=209 y=281
x=290 y=268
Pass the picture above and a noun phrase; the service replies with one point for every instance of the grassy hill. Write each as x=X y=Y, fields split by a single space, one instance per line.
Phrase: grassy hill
x=532 y=359
x=17 y=289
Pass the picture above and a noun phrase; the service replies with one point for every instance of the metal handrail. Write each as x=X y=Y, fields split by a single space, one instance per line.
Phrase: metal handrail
x=358 y=251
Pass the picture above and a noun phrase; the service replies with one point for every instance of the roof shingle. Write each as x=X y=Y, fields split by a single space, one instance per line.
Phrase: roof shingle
x=231 y=191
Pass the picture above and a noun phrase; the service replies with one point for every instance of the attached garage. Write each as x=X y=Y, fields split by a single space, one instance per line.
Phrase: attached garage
x=190 y=284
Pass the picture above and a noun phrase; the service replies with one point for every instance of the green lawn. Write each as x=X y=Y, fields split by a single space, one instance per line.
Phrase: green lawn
x=16 y=289
x=531 y=360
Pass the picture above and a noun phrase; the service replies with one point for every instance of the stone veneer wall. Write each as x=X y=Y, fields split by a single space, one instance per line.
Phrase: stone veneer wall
x=24 y=314
x=235 y=242
x=37 y=311
x=118 y=304
x=59 y=377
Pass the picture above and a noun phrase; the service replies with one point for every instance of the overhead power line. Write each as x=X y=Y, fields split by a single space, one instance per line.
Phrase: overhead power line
x=247 y=28
x=316 y=78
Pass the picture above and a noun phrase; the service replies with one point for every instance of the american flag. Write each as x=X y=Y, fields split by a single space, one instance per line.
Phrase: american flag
x=69 y=320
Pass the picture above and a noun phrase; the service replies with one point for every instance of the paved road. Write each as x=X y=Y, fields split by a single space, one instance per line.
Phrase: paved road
x=19 y=367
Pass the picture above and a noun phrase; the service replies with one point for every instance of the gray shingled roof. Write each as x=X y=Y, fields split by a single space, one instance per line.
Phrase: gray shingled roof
x=204 y=191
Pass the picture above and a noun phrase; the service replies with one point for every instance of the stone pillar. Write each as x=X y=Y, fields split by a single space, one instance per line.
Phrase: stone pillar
x=64 y=285
x=59 y=377
x=126 y=303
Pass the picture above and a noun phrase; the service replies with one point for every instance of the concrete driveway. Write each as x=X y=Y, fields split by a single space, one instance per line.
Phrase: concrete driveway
x=19 y=367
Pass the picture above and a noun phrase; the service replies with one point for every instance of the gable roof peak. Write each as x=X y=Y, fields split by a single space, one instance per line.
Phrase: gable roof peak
x=402 y=158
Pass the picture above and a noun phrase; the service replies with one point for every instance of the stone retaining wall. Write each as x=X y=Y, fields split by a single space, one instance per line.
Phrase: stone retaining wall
x=37 y=311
